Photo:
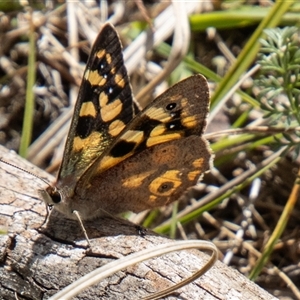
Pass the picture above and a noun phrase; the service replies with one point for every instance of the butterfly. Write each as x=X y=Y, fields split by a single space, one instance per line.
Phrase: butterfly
x=117 y=159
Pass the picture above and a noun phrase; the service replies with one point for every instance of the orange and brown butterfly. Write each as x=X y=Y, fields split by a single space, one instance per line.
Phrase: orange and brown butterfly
x=116 y=161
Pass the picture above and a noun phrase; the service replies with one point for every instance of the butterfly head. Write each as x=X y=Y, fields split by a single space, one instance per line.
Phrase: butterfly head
x=50 y=195
x=60 y=199
x=56 y=198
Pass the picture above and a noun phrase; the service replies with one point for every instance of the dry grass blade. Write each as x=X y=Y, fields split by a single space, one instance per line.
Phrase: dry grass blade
x=111 y=268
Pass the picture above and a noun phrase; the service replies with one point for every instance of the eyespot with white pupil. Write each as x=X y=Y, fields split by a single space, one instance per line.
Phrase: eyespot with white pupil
x=171 y=106
x=110 y=90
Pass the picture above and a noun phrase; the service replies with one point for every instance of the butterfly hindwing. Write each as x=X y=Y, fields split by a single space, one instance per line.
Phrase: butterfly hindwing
x=152 y=178
x=103 y=108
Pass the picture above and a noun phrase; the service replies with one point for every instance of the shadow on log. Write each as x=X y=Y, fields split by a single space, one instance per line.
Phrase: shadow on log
x=36 y=262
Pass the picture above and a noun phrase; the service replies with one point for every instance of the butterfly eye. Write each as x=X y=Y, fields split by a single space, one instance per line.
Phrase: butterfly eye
x=50 y=195
x=56 y=198
x=54 y=194
x=171 y=106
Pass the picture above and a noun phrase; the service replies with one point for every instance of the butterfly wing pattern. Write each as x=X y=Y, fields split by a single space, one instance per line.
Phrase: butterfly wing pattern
x=115 y=161
x=103 y=107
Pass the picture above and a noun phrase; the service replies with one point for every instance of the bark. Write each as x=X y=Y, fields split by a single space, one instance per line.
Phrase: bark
x=36 y=262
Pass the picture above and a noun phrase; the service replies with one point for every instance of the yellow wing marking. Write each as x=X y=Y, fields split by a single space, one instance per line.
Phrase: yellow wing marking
x=94 y=78
x=111 y=111
x=198 y=163
x=108 y=58
x=87 y=109
x=116 y=127
x=119 y=80
x=158 y=130
x=190 y=122
x=193 y=175
x=152 y=198
x=152 y=141
x=158 y=114
x=170 y=179
x=101 y=53
x=136 y=180
x=91 y=142
x=103 y=99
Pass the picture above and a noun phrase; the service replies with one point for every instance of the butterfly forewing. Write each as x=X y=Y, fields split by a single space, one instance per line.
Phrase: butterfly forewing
x=103 y=108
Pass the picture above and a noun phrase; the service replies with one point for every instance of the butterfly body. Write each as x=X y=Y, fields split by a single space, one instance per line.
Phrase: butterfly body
x=114 y=160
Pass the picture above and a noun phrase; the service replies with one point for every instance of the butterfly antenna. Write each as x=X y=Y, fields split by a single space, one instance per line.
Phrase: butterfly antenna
x=28 y=172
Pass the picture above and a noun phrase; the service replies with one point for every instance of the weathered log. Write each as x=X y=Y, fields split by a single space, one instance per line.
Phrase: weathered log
x=36 y=261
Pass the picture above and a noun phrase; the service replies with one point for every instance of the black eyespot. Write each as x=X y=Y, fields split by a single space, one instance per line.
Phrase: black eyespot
x=175 y=125
x=103 y=66
x=165 y=187
x=171 y=106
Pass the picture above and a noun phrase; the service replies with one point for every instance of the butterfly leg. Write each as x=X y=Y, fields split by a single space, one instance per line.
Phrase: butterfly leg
x=49 y=209
x=76 y=213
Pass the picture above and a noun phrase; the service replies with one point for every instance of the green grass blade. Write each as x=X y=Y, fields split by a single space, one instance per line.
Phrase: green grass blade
x=245 y=15
x=29 y=105
x=250 y=50
x=277 y=233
